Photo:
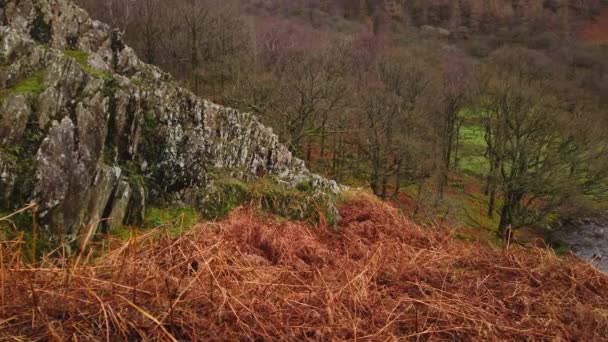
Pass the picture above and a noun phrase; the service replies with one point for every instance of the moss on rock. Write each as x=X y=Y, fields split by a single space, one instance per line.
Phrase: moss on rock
x=34 y=84
x=82 y=58
x=223 y=195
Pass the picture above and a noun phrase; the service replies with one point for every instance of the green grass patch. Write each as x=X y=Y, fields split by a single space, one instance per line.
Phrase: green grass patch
x=473 y=145
x=178 y=218
x=82 y=58
x=473 y=135
x=174 y=220
x=122 y=232
x=476 y=166
x=34 y=84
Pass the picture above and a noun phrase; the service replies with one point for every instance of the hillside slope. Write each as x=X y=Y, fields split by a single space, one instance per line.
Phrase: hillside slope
x=253 y=277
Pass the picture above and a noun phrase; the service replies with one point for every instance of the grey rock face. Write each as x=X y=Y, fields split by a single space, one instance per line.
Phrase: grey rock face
x=92 y=134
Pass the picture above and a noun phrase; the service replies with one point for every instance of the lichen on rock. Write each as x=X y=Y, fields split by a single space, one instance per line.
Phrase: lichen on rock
x=92 y=134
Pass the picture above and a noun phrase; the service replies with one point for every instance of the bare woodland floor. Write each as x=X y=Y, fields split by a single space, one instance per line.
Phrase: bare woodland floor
x=375 y=277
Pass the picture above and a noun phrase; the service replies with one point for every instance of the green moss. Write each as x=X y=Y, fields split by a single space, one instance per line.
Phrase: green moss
x=34 y=84
x=110 y=152
x=82 y=58
x=282 y=200
x=225 y=194
x=305 y=186
x=473 y=135
x=23 y=159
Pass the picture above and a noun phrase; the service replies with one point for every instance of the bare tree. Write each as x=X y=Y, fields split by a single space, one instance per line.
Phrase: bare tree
x=537 y=139
x=454 y=92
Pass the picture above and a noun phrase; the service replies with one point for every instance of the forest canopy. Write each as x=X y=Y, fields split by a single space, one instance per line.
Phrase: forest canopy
x=398 y=97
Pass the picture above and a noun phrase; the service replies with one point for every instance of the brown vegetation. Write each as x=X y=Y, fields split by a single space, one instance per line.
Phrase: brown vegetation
x=375 y=277
x=386 y=103
x=597 y=31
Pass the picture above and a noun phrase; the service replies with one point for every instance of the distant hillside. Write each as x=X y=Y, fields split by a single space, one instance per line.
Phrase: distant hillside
x=471 y=15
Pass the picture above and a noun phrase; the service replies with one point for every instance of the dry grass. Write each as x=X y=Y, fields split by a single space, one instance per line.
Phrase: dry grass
x=378 y=277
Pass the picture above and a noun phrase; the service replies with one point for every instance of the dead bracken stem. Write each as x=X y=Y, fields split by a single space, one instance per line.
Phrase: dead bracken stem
x=378 y=277
x=34 y=230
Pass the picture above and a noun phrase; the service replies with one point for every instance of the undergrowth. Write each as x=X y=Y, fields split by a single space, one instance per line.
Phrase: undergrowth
x=378 y=277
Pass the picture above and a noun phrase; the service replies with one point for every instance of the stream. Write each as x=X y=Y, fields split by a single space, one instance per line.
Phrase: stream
x=590 y=242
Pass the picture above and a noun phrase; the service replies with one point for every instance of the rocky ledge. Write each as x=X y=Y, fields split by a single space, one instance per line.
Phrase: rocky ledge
x=92 y=134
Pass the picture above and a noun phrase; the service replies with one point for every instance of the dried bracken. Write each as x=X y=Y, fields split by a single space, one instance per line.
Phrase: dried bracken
x=252 y=277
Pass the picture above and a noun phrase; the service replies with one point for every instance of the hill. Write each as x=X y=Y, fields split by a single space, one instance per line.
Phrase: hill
x=133 y=209
x=377 y=276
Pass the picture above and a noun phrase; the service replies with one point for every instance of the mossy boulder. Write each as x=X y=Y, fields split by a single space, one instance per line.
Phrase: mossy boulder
x=300 y=202
x=221 y=196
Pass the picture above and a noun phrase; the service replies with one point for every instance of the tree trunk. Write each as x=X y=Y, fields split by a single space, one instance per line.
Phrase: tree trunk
x=397 y=180
x=308 y=152
x=492 y=203
x=194 y=57
x=418 y=197
x=384 y=185
x=506 y=217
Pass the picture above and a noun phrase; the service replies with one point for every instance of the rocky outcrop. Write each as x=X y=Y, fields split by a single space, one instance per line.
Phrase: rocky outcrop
x=92 y=134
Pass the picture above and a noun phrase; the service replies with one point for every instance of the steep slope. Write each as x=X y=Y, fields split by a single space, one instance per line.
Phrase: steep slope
x=378 y=277
x=89 y=132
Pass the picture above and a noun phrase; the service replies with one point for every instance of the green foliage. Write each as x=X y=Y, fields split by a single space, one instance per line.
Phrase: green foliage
x=156 y=217
x=173 y=220
x=82 y=58
x=19 y=227
x=122 y=232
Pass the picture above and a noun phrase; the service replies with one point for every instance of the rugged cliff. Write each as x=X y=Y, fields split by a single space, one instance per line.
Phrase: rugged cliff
x=92 y=134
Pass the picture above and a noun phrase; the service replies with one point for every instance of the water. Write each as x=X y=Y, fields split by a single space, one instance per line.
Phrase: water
x=590 y=242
